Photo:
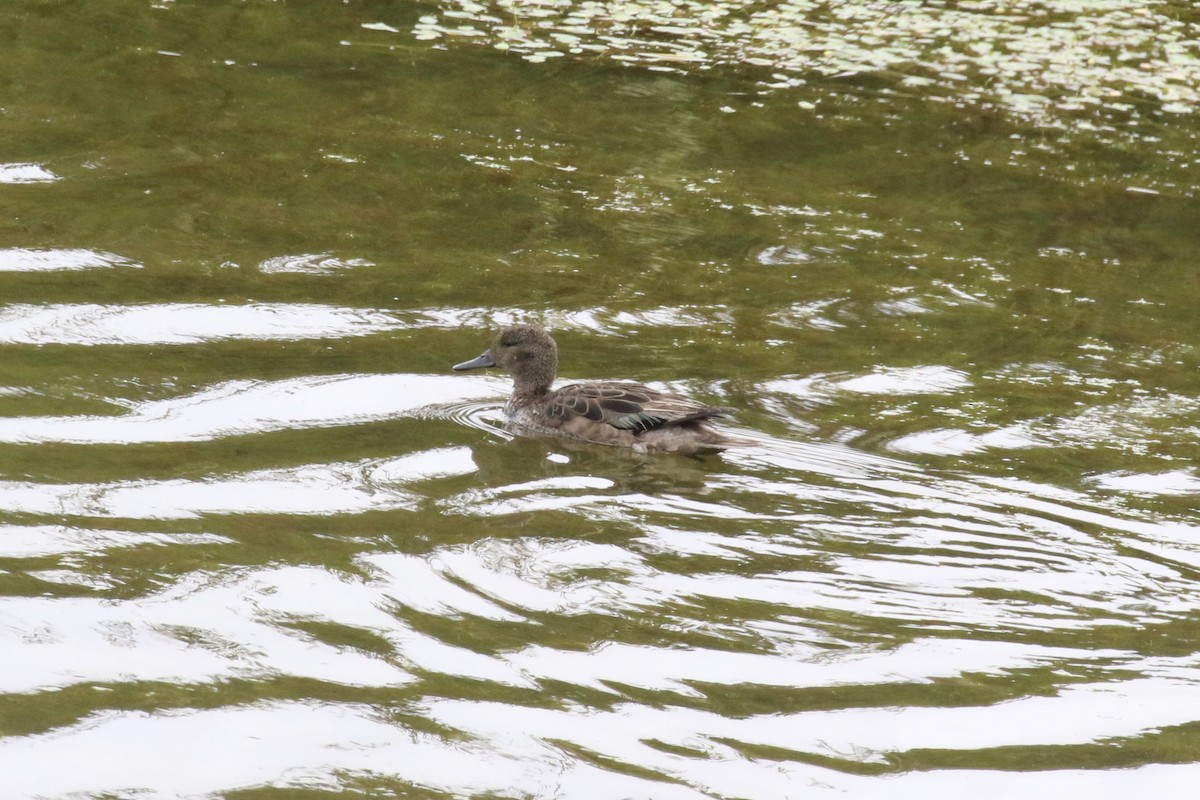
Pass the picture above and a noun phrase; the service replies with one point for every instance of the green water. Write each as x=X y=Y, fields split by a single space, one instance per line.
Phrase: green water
x=257 y=540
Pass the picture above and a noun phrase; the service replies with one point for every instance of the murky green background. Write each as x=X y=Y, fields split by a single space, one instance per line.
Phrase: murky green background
x=256 y=540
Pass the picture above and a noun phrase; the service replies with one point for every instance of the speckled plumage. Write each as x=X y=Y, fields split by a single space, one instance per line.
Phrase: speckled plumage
x=619 y=414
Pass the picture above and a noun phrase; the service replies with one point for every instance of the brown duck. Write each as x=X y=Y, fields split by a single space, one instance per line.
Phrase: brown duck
x=619 y=414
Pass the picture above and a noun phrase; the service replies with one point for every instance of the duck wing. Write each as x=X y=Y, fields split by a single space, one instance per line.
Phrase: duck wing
x=628 y=406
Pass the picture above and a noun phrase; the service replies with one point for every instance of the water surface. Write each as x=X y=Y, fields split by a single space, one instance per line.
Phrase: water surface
x=257 y=540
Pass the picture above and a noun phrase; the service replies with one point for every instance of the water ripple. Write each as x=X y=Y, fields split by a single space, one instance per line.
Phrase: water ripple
x=199 y=631
x=289 y=745
x=26 y=172
x=312 y=489
x=184 y=323
x=486 y=417
x=1006 y=54
x=311 y=264
x=22 y=259
x=239 y=408
x=39 y=541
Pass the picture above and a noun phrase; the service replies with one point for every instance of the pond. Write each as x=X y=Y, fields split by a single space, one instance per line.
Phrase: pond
x=257 y=540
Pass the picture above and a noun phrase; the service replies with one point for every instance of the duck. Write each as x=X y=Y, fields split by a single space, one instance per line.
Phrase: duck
x=613 y=413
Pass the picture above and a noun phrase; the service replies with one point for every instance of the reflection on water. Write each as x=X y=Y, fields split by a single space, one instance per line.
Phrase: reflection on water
x=257 y=539
x=1037 y=59
x=87 y=324
x=311 y=264
x=22 y=259
x=238 y=408
x=26 y=173
x=1175 y=482
x=308 y=742
x=346 y=488
x=776 y=570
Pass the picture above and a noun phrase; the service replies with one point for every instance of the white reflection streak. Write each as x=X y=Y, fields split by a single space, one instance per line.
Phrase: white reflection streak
x=932 y=379
x=674 y=670
x=1082 y=584
x=26 y=172
x=199 y=631
x=1083 y=714
x=247 y=407
x=1172 y=482
x=311 y=264
x=524 y=575
x=21 y=541
x=1154 y=780
x=419 y=584
x=185 y=323
x=1077 y=715
x=202 y=753
x=21 y=259
x=1098 y=426
x=338 y=488
x=190 y=323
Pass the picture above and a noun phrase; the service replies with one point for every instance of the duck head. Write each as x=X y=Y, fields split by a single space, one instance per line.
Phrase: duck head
x=527 y=352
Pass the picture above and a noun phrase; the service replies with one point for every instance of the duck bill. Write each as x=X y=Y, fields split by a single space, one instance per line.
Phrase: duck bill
x=484 y=360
